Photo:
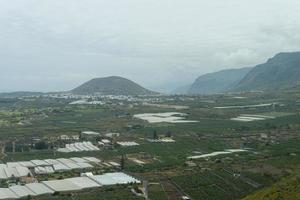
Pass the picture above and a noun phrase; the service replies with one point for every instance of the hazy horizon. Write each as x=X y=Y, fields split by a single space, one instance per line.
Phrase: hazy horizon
x=56 y=45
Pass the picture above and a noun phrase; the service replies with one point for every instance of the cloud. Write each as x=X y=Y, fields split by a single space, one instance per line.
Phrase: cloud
x=238 y=58
x=166 y=42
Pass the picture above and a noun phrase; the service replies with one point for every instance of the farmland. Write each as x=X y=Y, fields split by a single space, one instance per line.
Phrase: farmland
x=264 y=152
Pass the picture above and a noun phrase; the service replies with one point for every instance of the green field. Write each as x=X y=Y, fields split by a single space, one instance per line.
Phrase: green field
x=273 y=144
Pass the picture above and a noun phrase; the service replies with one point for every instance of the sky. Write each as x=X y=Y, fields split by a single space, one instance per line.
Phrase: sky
x=55 y=45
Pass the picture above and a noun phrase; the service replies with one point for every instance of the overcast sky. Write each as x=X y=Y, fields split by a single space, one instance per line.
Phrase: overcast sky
x=50 y=45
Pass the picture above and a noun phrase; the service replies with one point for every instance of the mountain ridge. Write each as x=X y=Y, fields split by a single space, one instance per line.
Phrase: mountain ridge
x=279 y=72
x=217 y=82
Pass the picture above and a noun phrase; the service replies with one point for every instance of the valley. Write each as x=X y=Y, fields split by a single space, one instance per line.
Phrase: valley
x=212 y=157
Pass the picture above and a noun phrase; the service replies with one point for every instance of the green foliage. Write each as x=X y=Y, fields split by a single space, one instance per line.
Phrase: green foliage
x=41 y=145
x=287 y=188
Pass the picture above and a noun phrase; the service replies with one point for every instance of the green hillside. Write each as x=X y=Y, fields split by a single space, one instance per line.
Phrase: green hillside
x=280 y=72
x=217 y=82
x=288 y=188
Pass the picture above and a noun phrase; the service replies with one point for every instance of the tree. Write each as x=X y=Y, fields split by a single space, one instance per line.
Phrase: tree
x=41 y=145
x=155 y=136
x=122 y=162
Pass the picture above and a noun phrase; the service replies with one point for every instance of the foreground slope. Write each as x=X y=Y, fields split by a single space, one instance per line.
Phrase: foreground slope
x=217 y=82
x=112 y=85
x=288 y=188
x=280 y=72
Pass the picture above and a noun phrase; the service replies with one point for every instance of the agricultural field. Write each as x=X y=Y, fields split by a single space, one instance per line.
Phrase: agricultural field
x=234 y=158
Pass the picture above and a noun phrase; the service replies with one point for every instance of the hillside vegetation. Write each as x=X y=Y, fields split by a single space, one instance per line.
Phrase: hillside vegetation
x=280 y=72
x=217 y=82
x=287 y=188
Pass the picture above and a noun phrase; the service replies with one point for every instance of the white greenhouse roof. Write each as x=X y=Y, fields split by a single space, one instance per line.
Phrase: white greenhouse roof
x=92 y=159
x=65 y=160
x=61 y=185
x=72 y=166
x=65 y=185
x=114 y=178
x=2 y=173
x=22 y=191
x=22 y=171
x=27 y=164
x=10 y=172
x=44 y=170
x=78 y=146
x=39 y=162
x=115 y=164
x=90 y=133
x=63 y=150
x=78 y=160
x=83 y=182
x=13 y=164
x=6 y=193
x=128 y=144
x=52 y=161
x=122 y=178
x=84 y=165
x=60 y=167
x=47 y=166
x=39 y=188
